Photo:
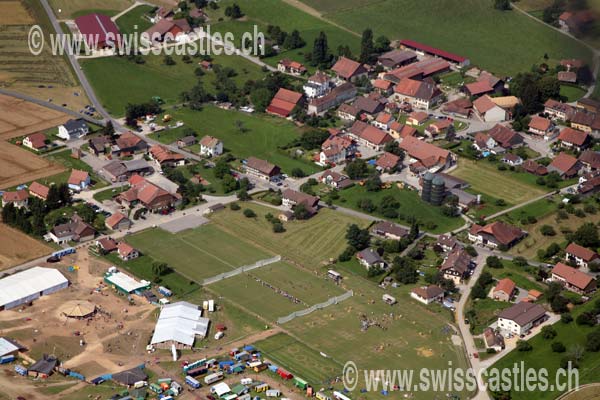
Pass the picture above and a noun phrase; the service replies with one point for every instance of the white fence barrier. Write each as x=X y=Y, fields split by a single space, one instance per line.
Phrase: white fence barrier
x=244 y=268
x=306 y=311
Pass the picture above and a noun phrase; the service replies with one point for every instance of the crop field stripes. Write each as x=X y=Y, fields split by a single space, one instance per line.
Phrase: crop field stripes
x=208 y=253
x=237 y=271
x=306 y=311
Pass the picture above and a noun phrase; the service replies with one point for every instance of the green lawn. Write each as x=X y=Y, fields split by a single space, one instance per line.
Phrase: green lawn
x=310 y=243
x=244 y=290
x=431 y=218
x=522 y=277
x=572 y=93
x=471 y=28
x=136 y=17
x=110 y=13
x=486 y=311
x=118 y=81
x=484 y=177
x=197 y=253
x=542 y=356
x=108 y=194
x=264 y=12
x=537 y=209
x=263 y=138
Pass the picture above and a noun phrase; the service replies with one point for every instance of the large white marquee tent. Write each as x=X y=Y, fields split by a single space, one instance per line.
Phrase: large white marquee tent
x=26 y=286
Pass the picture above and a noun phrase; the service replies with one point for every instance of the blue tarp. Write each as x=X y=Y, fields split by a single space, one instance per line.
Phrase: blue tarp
x=273 y=368
x=249 y=348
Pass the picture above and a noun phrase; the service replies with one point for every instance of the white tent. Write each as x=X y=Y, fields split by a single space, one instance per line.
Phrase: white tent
x=180 y=322
x=26 y=286
x=220 y=389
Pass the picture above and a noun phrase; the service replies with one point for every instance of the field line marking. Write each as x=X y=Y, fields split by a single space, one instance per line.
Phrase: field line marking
x=208 y=253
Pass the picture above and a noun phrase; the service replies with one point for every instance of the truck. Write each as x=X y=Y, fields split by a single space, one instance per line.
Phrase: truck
x=64 y=252
x=284 y=374
x=189 y=380
x=217 y=376
x=164 y=291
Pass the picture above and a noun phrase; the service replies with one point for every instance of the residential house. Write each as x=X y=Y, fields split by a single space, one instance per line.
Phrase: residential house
x=291 y=198
x=573 y=279
x=494 y=82
x=262 y=169
x=396 y=58
x=504 y=290
x=383 y=121
x=164 y=157
x=335 y=180
x=521 y=318
x=99 y=145
x=186 y=141
x=336 y=149
x=457 y=265
x=534 y=295
x=388 y=162
x=488 y=110
x=369 y=136
x=478 y=88
x=512 y=159
x=567 y=76
x=75 y=230
x=210 y=146
x=581 y=256
x=368 y=107
x=127 y=252
x=590 y=160
x=505 y=137
x=493 y=340
x=428 y=294
x=167 y=30
x=533 y=167
x=120 y=171
x=38 y=190
x=73 y=129
x=317 y=85
x=459 y=108
x=161 y=13
x=18 y=198
x=383 y=87
x=541 y=126
x=484 y=142
x=106 y=245
x=573 y=139
x=438 y=127
x=284 y=102
x=565 y=165
x=447 y=243
x=128 y=144
x=118 y=221
x=338 y=95
x=79 y=180
x=285 y=216
x=496 y=234
x=291 y=67
x=585 y=121
x=349 y=70
x=149 y=195
x=419 y=94
x=576 y=22
x=558 y=111
x=389 y=230
x=417 y=118
x=425 y=155
x=347 y=112
x=508 y=103
x=400 y=131
x=35 y=141
x=369 y=258
x=588 y=104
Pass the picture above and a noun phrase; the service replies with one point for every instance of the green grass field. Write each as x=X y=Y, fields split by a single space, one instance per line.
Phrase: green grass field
x=486 y=312
x=410 y=205
x=471 y=28
x=197 y=253
x=245 y=291
x=542 y=356
x=127 y=22
x=513 y=187
x=572 y=93
x=309 y=243
x=118 y=81
x=264 y=135
x=522 y=277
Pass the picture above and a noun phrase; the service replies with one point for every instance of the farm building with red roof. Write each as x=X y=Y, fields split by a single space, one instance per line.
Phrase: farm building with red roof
x=426 y=49
x=98 y=30
x=284 y=102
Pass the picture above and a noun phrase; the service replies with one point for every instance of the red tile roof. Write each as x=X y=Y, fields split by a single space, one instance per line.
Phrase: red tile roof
x=382 y=84
x=78 y=176
x=115 y=219
x=425 y=152
x=388 y=161
x=573 y=276
x=417 y=89
x=19 y=195
x=419 y=116
x=501 y=231
x=163 y=154
x=124 y=249
x=586 y=255
x=97 y=28
x=564 y=162
x=38 y=140
x=573 y=136
x=479 y=87
x=540 y=123
x=283 y=102
x=39 y=190
x=432 y=50
x=505 y=285
x=347 y=68
x=483 y=104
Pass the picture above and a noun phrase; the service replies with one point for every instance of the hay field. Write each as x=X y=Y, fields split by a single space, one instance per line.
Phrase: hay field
x=17 y=248
x=13 y=13
x=19 y=117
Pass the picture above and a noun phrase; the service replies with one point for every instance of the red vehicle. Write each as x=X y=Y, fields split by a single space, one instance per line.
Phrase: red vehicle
x=284 y=374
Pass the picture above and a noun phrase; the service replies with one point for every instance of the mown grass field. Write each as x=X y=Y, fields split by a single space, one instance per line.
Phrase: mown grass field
x=118 y=81
x=542 y=356
x=410 y=205
x=513 y=187
x=135 y=17
x=310 y=243
x=263 y=137
x=247 y=292
x=74 y=8
x=572 y=93
x=471 y=28
x=197 y=253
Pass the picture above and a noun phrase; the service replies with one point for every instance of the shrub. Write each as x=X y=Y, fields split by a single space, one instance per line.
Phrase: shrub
x=234 y=206
x=558 y=347
x=248 y=213
x=547 y=230
x=548 y=332
x=523 y=345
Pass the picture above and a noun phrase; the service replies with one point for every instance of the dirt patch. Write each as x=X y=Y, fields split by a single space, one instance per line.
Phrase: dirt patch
x=17 y=248
x=425 y=352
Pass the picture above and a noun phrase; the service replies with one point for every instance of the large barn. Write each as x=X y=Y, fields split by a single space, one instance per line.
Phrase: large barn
x=26 y=286
x=178 y=324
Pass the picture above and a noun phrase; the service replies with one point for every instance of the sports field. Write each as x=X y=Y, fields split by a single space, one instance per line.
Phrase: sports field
x=471 y=28
x=254 y=295
x=485 y=178
x=310 y=243
x=198 y=253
